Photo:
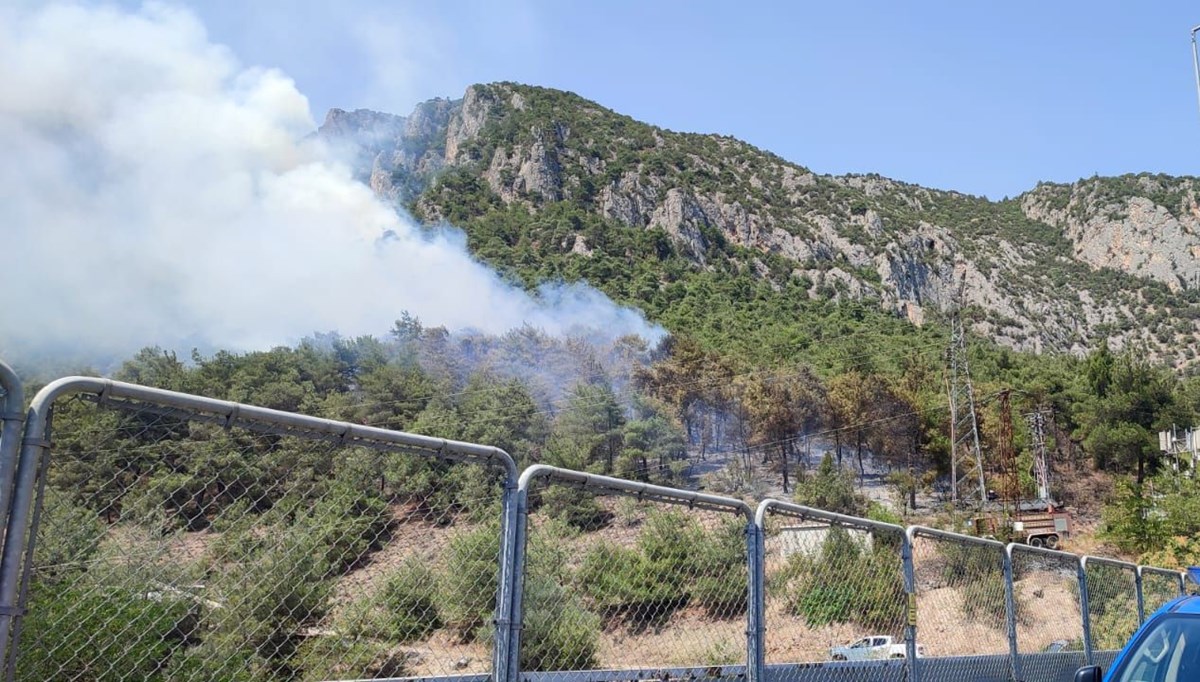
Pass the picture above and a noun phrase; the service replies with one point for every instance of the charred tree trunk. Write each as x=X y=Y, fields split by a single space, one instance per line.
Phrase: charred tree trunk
x=783 y=456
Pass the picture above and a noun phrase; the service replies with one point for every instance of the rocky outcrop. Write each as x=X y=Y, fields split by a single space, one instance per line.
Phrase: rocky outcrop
x=398 y=153
x=1119 y=223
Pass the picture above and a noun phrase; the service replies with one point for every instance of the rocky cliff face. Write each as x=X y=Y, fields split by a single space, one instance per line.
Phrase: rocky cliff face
x=1145 y=225
x=1057 y=269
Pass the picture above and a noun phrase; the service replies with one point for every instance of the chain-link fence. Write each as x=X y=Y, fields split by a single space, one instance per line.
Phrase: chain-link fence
x=836 y=606
x=1159 y=586
x=208 y=543
x=1049 y=618
x=1111 y=605
x=622 y=575
x=961 y=602
x=182 y=538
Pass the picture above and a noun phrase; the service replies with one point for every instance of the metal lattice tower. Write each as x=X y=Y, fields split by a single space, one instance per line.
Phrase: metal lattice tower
x=966 y=461
x=1041 y=463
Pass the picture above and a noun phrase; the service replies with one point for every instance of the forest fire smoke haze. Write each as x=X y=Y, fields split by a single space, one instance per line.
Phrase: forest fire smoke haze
x=153 y=190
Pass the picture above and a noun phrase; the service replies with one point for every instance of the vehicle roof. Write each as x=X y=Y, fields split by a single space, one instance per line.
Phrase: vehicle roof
x=1189 y=604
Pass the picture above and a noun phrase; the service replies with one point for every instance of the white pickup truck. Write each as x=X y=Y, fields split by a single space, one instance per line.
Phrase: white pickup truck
x=871 y=648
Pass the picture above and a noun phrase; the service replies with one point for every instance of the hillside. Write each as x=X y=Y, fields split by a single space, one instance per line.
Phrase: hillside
x=750 y=252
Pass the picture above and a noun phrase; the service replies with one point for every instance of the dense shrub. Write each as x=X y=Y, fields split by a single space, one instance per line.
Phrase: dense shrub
x=471 y=579
x=69 y=628
x=674 y=562
x=977 y=572
x=341 y=658
x=408 y=603
x=845 y=582
x=68 y=537
x=558 y=633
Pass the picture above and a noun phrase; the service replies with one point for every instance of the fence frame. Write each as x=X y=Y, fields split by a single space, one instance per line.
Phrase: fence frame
x=24 y=462
x=1176 y=575
x=642 y=491
x=36 y=451
x=1081 y=579
x=1084 y=599
x=834 y=519
x=914 y=532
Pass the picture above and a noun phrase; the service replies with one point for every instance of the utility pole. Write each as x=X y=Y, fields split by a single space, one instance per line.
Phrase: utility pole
x=966 y=461
x=1008 y=455
x=1041 y=463
x=1196 y=62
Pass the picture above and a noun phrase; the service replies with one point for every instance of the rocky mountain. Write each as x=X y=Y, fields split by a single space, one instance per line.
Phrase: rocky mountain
x=1060 y=268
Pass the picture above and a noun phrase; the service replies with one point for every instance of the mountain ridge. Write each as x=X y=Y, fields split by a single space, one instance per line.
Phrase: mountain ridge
x=1058 y=268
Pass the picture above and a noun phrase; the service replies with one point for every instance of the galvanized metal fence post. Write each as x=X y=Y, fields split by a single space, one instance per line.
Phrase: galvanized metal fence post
x=520 y=529
x=12 y=422
x=34 y=445
x=12 y=419
x=1010 y=609
x=503 y=648
x=1085 y=611
x=1141 y=598
x=755 y=626
x=910 y=594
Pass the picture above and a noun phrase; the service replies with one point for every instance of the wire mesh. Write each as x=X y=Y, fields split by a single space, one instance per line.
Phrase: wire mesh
x=833 y=593
x=1049 y=617
x=961 y=608
x=1159 y=586
x=616 y=583
x=1112 y=603
x=175 y=548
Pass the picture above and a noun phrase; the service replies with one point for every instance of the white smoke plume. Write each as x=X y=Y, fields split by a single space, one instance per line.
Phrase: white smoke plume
x=155 y=191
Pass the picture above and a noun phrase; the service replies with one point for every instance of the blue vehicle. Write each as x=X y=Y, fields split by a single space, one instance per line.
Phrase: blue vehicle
x=1165 y=649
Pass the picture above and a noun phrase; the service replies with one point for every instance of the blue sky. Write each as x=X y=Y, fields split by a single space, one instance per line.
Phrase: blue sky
x=985 y=98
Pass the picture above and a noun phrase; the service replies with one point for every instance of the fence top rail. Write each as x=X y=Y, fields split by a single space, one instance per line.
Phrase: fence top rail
x=621 y=486
x=813 y=514
x=1015 y=547
x=1105 y=561
x=235 y=414
x=1178 y=575
x=14 y=394
x=914 y=532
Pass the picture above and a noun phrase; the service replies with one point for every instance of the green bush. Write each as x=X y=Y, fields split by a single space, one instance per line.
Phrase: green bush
x=675 y=562
x=347 y=524
x=95 y=633
x=623 y=582
x=68 y=537
x=408 y=603
x=335 y=658
x=846 y=582
x=274 y=577
x=977 y=572
x=578 y=508
x=471 y=580
x=558 y=633
x=722 y=586
x=221 y=656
